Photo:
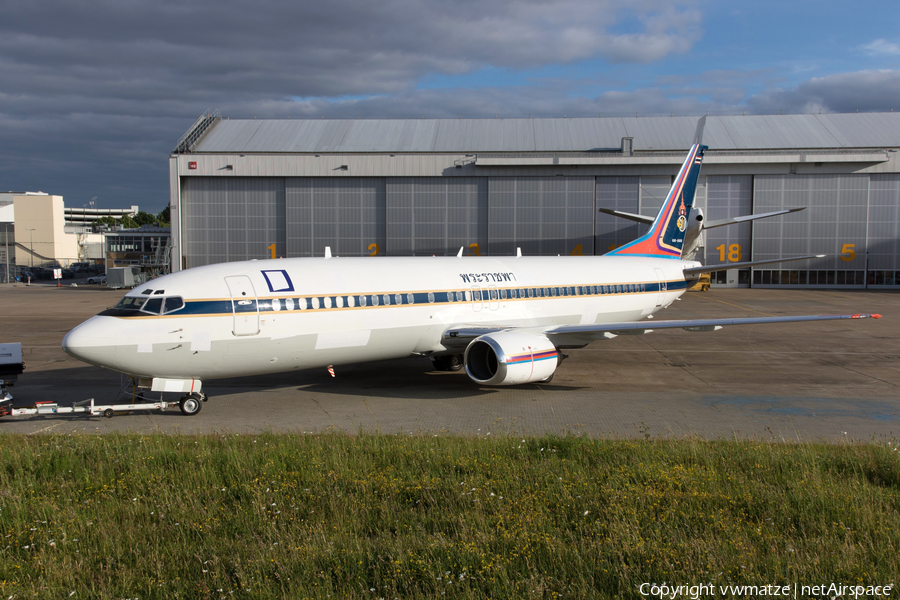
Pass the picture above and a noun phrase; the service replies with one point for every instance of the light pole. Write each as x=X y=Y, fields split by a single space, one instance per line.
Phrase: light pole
x=31 y=241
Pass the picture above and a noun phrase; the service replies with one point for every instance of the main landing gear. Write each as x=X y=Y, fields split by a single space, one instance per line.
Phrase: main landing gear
x=190 y=404
x=449 y=362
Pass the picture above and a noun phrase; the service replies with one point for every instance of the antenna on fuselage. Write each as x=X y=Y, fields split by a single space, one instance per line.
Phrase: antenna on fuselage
x=327 y=251
x=459 y=254
x=518 y=252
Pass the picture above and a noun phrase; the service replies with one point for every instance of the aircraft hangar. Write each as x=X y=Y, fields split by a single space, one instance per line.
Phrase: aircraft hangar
x=246 y=188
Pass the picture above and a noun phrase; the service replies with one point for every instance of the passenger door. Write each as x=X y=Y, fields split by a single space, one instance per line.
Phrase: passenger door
x=244 y=305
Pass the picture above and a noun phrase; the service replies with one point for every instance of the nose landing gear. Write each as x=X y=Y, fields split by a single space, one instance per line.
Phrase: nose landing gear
x=191 y=404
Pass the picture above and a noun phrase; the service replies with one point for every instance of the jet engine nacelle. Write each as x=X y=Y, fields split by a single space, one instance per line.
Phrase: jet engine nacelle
x=510 y=358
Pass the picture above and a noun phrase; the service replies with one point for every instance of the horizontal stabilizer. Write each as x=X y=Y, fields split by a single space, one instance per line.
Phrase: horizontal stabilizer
x=746 y=218
x=568 y=333
x=744 y=265
x=629 y=216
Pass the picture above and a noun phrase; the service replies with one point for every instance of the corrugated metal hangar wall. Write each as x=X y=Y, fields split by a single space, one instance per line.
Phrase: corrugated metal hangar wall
x=852 y=216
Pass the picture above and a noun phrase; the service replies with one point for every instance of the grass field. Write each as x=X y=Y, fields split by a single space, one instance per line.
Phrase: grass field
x=393 y=516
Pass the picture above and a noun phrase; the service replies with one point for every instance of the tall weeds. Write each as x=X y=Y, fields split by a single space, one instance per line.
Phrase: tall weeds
x=394 y=516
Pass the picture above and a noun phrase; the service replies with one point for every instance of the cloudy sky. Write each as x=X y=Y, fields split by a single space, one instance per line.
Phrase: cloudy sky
x=96 y=93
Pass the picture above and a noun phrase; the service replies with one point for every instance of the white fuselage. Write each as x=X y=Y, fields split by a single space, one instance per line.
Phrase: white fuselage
x=269 y=316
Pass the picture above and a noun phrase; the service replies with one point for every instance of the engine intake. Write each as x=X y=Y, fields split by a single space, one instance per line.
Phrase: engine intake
x=510 y=358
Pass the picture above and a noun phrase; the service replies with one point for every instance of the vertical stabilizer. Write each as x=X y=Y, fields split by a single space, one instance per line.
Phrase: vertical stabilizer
x=667 y=233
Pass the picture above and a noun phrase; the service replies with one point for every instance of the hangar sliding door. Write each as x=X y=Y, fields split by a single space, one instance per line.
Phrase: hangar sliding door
x=623 y=194
x=728 y=196
x=833 y=223
x=436 y=215
x=226 y=219
x=544 y=216
x=344 y=213
x=884 y=231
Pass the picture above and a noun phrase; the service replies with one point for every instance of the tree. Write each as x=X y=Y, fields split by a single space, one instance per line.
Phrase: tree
x=128 y=223
x=144 y=218
x=164 y=218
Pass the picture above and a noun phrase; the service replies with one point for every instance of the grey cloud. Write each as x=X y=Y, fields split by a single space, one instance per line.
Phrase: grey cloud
x=96 y=93
x=866 y=91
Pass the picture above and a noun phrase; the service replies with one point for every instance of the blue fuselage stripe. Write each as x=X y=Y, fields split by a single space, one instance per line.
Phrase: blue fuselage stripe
x=320 y=302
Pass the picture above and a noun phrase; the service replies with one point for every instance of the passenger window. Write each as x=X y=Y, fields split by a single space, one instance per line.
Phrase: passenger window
x=339 y=302
x=431 y=296
x=398 y=299
x=171 y=304
x=374 y=300
x=387 y=299
x=152 y=306
x=288 y=304
x=351 y=301
x=315 y=303
x=327 y=302
x=362 y=300
x=410 y=299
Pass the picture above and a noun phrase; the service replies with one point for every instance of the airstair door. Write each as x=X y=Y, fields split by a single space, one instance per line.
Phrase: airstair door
x=243 y=304
x=661 y=278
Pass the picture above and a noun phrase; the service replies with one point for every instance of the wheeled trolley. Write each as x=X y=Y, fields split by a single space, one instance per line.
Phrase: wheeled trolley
x=189 y=405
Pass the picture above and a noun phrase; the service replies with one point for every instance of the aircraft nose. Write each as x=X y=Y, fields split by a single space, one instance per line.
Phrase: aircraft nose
x=94 y=341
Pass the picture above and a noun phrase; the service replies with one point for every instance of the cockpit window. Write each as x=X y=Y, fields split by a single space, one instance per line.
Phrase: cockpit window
x=159 y=292
x=172 y=304
x=131 y=303
x=152 y=306
x=147 y=291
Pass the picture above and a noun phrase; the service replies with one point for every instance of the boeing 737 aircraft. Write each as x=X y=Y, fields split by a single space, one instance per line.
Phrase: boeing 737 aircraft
x=506 y=319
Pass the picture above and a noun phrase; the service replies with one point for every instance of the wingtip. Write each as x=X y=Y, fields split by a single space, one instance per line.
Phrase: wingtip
x=873 y=316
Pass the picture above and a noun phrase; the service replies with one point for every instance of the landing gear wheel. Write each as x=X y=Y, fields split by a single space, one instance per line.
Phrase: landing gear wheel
x=548 y=380
x=450 y=362
x=455 y=362
x=191 y=404
x=108 y=413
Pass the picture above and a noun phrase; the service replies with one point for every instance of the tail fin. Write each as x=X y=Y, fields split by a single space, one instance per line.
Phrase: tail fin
x=666 y=236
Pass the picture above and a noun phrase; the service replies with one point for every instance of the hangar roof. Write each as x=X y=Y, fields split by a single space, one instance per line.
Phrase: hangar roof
x=749 y=133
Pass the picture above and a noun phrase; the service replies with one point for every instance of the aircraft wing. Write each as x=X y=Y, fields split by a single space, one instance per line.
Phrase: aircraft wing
x=566 y=335
x=576 y=336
